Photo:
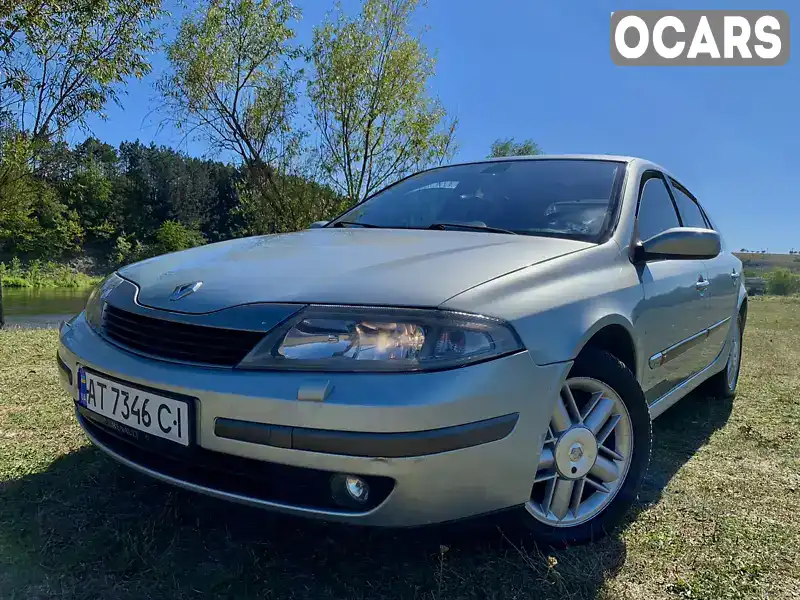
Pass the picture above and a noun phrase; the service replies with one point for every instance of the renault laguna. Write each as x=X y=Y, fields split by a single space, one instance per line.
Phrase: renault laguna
x=490 y=337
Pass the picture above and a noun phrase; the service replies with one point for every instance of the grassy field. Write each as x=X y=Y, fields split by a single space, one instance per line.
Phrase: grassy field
x=717 y=518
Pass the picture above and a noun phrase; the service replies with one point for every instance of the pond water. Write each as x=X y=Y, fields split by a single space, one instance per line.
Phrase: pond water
x=42 y=307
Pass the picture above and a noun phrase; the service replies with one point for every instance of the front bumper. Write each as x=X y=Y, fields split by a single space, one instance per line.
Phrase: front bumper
x=368 y=413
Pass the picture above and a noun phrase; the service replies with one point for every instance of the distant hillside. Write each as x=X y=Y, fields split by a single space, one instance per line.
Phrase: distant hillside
x=756 y=264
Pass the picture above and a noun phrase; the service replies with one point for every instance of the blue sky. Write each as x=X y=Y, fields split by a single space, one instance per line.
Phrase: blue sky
x=542 y=70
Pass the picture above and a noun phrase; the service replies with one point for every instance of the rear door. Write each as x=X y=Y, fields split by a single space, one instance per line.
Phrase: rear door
x=724 y=275
x=672 y=316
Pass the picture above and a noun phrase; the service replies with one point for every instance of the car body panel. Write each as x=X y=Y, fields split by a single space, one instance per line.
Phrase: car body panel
x=672 y=313
x=561 y=301
x=339 y=266
x=725 y=294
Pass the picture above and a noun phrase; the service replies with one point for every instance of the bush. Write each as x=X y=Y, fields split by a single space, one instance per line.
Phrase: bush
x=40 y=274
x=782 y=282
x=16 y=282
x=172 y=236
x=128 y=249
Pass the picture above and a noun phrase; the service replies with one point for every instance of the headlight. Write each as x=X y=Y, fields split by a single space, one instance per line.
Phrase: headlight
x=323 y=338
x=96 y=302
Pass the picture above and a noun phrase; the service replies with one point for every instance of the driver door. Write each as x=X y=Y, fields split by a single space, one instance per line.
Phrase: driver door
x=675 y=298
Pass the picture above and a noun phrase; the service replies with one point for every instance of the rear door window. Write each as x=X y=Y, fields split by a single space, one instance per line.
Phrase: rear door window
x=691 y=215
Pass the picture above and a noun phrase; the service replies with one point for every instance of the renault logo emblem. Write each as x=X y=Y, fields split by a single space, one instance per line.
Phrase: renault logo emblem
x=184 y=290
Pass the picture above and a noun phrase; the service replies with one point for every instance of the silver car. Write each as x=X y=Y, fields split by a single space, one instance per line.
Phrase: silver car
x=490 y=337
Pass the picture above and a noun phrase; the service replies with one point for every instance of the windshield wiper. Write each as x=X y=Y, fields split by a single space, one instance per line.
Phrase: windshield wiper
x=356 y=223
x=472 y=227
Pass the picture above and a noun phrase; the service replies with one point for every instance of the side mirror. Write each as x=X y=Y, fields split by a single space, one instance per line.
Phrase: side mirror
x=678 y=243
x=317 y=224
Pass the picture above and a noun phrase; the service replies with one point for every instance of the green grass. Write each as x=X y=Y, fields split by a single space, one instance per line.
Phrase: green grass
x=716 y=519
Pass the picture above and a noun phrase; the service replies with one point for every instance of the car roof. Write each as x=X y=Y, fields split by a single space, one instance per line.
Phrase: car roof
x=641 y=162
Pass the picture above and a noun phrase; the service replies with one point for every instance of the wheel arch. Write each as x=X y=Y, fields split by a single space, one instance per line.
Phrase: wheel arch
x=614 y=334
x=742 y=311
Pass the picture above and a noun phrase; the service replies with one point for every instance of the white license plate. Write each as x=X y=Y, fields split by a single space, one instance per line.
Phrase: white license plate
x=157 y=415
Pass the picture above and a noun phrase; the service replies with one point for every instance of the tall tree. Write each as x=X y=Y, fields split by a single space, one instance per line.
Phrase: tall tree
x=368 y=90
x=159 y=184
x=233 y=81
x=62 y=68
x=230 y=79
x=510 y=147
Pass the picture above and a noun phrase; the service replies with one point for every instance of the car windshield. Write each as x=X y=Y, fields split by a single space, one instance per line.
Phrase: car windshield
x=568 y=198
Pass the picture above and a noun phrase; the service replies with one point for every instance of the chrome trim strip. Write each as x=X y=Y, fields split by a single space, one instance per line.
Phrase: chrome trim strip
x=656 y=360
x=232 y=497
x=663 y=357
x=261 y=317
x=718 y=325
x=666 y=355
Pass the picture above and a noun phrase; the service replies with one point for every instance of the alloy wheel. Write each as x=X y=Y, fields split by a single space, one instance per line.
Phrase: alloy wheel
x=585 y=456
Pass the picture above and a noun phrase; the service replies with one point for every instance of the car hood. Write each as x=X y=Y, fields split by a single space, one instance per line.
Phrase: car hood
x=339 y=266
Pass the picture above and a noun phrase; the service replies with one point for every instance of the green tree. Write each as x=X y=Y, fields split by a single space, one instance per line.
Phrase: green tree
x=94 y=198
x=370 y=105
x=59 y=63
x=15 y=178
x=510 y=147
x=90 y=194
x=32 y=218
x=62 y=64
x=312 y=202
x=158 y=184
x=231 y=81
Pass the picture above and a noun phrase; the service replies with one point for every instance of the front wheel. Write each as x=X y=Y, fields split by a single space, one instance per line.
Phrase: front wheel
x=594 y=456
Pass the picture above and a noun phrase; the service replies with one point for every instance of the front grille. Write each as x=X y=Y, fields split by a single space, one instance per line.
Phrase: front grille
x=273 y=482
x=178 y=341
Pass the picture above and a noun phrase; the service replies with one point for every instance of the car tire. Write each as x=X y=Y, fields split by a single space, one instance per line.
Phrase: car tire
x=605 y=372
x=723 y=384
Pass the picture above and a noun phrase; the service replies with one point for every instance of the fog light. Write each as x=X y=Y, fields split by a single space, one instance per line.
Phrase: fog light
x=357 y=488
x=349 y=490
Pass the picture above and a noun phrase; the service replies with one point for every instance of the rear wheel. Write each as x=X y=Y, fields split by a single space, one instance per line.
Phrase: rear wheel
x=594 y=456
x=723 y=384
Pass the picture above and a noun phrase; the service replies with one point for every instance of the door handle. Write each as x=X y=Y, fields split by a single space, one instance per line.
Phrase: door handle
x=702 y=285
x=735 y=277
